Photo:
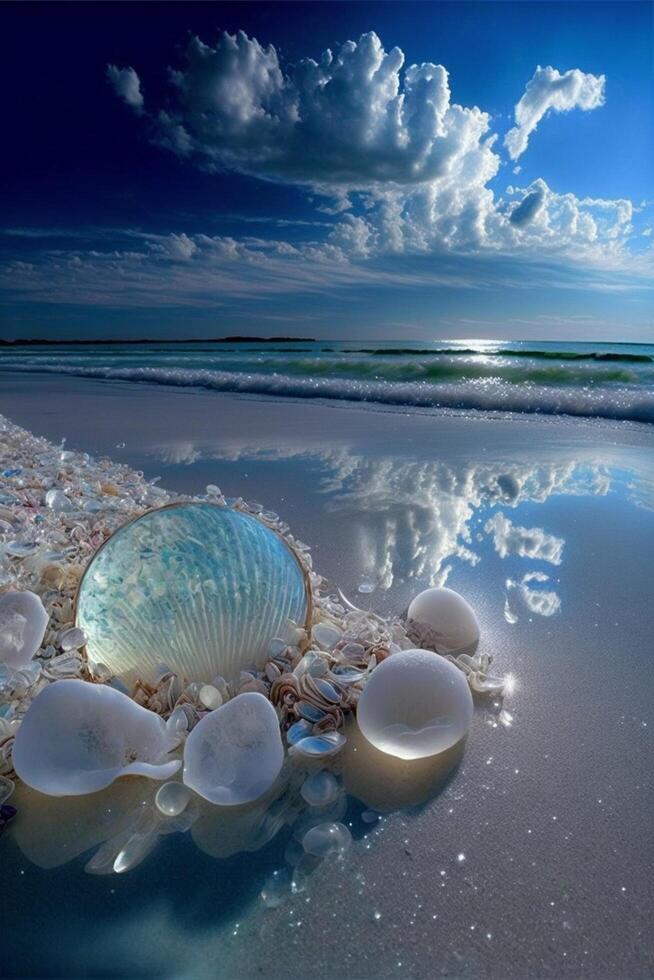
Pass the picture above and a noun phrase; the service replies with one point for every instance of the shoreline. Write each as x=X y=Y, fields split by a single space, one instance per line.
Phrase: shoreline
x=526 y=799
x=475 y=415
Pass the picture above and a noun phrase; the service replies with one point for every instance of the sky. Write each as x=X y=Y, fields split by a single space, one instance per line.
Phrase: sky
x=342 y=171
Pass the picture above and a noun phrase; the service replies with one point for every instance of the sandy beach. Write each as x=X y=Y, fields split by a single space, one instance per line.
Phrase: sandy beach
x=532 y=858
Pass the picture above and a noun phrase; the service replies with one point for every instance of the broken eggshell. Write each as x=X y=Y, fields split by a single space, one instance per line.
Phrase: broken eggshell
x=449 y=621
x=79 y=737
x=235 y=753
x=23 y=622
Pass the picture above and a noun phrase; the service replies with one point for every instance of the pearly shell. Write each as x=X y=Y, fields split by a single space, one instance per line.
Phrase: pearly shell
x=199 y=586
x=23 y=622
x=78 y=737
x=415 y=704
x=235 y=753
x=450 y=619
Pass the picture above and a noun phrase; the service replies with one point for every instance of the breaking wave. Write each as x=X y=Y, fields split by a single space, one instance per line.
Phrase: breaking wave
x=633 y=402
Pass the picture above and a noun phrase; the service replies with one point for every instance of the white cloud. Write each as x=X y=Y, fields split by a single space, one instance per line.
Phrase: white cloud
x=533 y=542
x=349 y=119
x=403 y=169
x=127 y=86
x=407 y=168
x=549 y=90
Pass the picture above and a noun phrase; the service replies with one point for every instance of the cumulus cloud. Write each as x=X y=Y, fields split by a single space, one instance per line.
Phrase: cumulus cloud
x=549 y=90
x=527 y=542
x=127 y=86
x=402 y=168
x=351 y=118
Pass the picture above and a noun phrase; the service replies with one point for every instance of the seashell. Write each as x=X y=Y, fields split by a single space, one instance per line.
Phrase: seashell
x=78 y=737
x=325 y=636
x=235 y=753
x=319 y=691
x=320 y=788
x=486 y=684
x=301 y=729
x=327 y=839
x=207 y=585
x=414 y=705
x=442 y=620
x=343 y=674
x=23 y=622
x=308 y=711
x=320 y=745
x=285 y=690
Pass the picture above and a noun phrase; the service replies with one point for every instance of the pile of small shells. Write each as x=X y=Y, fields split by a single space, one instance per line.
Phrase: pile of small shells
x=58 y=506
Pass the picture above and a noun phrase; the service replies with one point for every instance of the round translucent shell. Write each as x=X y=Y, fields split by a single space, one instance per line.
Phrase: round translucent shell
x=415 y=704
x=198 y=587
x=450 y=618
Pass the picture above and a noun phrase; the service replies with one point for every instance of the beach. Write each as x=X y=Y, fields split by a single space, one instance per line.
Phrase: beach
x=531 y=857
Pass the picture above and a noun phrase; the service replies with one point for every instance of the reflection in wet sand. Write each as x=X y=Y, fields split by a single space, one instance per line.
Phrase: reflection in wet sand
x=413 y=519
x=53 y=830
x=384 y=783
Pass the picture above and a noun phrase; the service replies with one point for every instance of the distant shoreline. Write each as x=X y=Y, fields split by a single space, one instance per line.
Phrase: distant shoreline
x=43 y=342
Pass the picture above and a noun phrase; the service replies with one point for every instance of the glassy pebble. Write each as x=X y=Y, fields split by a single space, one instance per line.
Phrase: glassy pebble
x=135 y=850
x=367 y=587
x=369 y=816
x=72 y=639
x=210 y=697
x=325 y=636
x=327 y=839
x=58 y=501
x=320 y=789
x=177 y=721
x=275 y=889
x=172 y=799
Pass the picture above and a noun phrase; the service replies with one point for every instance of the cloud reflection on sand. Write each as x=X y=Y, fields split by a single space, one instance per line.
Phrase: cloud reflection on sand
x=412 y=519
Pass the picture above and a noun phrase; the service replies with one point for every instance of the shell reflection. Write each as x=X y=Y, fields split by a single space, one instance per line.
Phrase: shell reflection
x=200 y=587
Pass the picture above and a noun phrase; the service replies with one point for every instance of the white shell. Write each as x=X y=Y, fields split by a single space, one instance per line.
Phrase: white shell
x=200 y=586
x=415 y=704
x=23 y=622
x=235 y=753
x=78 y=737
x=450 y=617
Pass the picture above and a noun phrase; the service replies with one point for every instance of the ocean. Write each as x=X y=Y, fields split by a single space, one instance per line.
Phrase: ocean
x=613 y=381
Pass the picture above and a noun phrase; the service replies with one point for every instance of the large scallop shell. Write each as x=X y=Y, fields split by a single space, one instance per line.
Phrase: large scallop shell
x=199 y=587
x=78 y=737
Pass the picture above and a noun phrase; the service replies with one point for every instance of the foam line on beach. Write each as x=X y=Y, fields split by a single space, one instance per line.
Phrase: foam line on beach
x=618 y=403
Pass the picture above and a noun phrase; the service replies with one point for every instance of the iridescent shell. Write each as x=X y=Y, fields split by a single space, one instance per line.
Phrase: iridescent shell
x=199 y=587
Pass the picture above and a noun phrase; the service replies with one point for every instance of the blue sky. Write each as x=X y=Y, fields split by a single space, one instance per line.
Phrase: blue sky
x=160 y=186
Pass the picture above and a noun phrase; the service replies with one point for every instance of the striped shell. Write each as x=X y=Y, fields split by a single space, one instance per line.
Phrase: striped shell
x=198 y=587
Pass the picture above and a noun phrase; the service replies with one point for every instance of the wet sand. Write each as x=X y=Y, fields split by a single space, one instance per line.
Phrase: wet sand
x=532 y=858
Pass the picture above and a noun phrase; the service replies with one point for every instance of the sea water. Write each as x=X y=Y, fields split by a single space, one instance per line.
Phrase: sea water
x=604 y=380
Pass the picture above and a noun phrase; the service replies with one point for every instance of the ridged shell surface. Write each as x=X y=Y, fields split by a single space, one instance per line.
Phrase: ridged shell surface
x=198 y=587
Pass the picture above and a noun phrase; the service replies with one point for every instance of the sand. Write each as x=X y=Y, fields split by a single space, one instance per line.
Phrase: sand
x=532 y=859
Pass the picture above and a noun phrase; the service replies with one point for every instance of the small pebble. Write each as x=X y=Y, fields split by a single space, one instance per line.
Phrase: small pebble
x=172 y=799
x=210 y=697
